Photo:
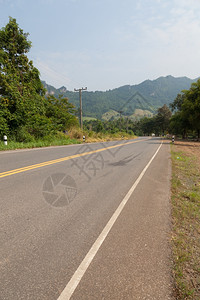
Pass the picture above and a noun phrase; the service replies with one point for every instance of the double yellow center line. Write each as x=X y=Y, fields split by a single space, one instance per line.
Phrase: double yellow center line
x=55 y=161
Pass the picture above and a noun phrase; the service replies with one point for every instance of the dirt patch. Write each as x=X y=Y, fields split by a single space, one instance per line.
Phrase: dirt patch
x=189 y=148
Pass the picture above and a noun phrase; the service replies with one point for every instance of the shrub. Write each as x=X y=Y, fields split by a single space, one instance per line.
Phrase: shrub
x=24 y=136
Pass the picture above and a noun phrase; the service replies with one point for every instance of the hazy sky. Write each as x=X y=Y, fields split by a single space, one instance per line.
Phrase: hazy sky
x=104 y=44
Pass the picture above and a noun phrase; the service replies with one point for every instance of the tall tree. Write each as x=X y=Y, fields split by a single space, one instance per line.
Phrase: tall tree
x=191 y=106
x=187 y=111
x=21 y=91
x=163 y=118
x=176 y=105
x=179 y=123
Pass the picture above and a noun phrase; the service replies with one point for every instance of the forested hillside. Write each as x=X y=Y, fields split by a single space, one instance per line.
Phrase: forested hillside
x=31 y=110
x=147 y=97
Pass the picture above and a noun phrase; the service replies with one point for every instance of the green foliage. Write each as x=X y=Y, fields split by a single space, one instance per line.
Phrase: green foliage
x=22 y=135
x=163 y=118
x=57 y=140
x=191 y=106
x=25 y=113
x=61 y=112
x=4 y=117
x=39 y=126
x=146 y=126
x=177 y=104
x=147 y=96
x=21 y=91
x=187 y=115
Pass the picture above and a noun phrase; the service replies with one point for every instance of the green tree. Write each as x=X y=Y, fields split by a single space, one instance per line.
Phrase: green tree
x=179 y=123
x=187 y=111
x=176 y=105
x=24 y=111
x=149 y=126
x=61 y=112
x=163 y=118
x=191 y=106
x=21 y=91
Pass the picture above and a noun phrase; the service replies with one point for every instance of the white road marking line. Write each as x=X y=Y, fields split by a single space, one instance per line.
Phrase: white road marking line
x=76 y=278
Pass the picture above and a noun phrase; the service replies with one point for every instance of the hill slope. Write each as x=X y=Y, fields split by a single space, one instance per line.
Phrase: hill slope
x=146 y=96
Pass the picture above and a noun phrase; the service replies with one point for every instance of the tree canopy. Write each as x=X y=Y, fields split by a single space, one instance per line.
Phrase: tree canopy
x=187 y=111
x=24 y=110
x=158 y=124
x=26 y=113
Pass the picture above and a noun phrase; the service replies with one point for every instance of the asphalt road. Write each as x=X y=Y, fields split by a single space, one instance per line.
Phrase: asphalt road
x=54 y=204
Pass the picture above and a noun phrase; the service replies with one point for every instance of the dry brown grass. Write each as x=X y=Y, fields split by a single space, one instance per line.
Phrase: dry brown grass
x=186 y=218
x=92 y=137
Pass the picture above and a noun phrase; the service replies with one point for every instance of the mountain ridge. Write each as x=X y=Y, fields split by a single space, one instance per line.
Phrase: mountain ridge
x=148 y=95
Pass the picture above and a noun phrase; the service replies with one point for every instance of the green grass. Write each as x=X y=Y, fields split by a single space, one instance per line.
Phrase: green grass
x=75 y=136
x=186 y=225
x=12 y=145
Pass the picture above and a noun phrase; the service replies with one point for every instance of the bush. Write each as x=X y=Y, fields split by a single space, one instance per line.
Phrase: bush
x=76 y=133
x=62 y=136
x=3 y=126
x=40 y=126
x=91 y=133
x=24 y=136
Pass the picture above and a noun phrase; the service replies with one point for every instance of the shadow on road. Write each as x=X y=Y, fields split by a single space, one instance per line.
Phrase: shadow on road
x=124 y=161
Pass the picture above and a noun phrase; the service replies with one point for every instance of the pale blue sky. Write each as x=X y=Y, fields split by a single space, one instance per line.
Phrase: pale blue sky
x=104 y=44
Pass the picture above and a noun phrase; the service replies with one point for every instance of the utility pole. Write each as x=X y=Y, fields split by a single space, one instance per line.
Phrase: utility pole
x=80 y=99
x=127 y=125
x=120 y=114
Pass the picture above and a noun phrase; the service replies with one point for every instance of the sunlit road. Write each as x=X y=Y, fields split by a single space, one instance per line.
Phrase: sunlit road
x=56 y=202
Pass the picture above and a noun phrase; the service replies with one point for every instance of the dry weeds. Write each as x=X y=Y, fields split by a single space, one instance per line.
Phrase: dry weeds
x=186 y=218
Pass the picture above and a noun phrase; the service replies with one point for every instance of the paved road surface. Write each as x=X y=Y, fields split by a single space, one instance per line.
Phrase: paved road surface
x=55 y=205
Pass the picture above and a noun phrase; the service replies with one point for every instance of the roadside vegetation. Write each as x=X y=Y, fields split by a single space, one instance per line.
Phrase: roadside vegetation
x=73 y=136
x=158 y=124
x=26 y=115
x=30 y=117
x=186 y=219
x=58 y=139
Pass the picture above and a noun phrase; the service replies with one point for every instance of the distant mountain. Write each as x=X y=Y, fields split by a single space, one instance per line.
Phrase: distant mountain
x=127 y=100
